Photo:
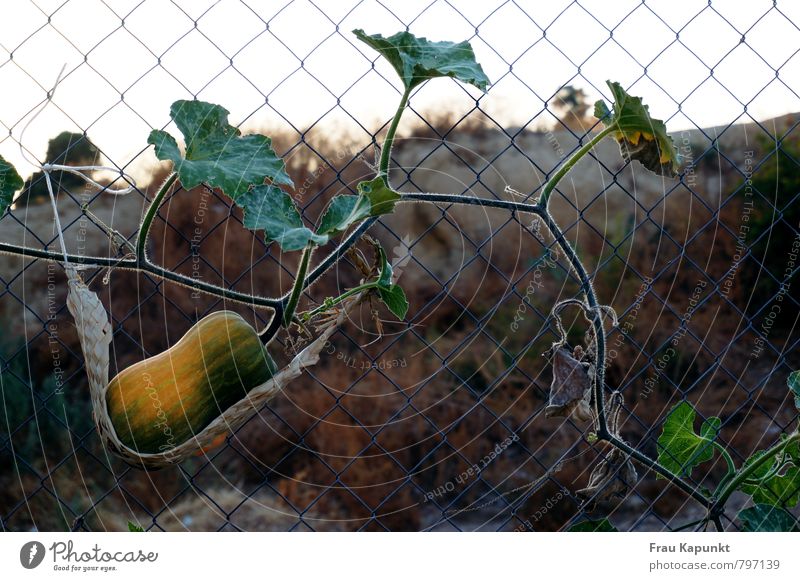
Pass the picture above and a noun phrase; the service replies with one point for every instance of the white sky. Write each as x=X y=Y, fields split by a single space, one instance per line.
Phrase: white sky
x=104 y=60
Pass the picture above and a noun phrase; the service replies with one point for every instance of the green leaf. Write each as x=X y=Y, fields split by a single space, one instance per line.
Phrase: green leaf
x=766 y=518
x=679 y=448
x=593 y=526
x=342 y=212
x=418 y=59
x=134 y=528
x=272 y=210
x=385 y=275
x=216 y=152
x=794 y=386
x=640 y=137
x=391 y=294
x=10 y=183
x=381 y=197
x=601 y=110
x=395 y=299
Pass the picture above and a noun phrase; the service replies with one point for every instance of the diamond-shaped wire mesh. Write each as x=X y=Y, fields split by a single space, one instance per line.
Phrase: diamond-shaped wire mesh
x=436 y=423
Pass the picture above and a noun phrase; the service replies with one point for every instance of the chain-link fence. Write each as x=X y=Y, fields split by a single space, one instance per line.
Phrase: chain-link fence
x=435 y=423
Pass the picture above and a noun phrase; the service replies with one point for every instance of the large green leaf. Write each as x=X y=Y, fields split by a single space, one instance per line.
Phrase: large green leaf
x=418 y=59
x=216 y=152
x=593 y=526
x=794 y=387
x=10 y=183
x=382 y=198
x=680 y=448
x=271 y=209
x=767 y=518
x=342 y=212
x=640 y=136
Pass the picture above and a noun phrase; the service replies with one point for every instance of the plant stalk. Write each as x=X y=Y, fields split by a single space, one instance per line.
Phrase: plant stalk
x=591 y=297
x=386 y=150
x=148 y=267
x=726 y=455
x=597 y=318
x=645 y=460
x=299 y=286
x=147 y=221
x=341 y=298
x=564 y=169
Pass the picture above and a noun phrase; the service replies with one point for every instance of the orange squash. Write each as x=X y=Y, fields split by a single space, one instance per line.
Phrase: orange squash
x=163 y=401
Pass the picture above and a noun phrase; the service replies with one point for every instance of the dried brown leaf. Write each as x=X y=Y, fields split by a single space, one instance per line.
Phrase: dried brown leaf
x=571 y=388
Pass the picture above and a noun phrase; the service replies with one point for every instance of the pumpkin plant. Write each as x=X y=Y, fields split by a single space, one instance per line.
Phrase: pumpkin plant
x=207 y=383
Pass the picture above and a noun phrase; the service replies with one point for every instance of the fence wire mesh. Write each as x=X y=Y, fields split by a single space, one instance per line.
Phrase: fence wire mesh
x=436 y=423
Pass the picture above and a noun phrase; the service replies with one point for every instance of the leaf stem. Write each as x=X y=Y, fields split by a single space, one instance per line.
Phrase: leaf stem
x=335 y=301
x=386 y=150
x=748 y=469
x=726 y=455
x=147 y=221
x=567 y=165
x=772 y=472
x=656 y=467
x=299 y=285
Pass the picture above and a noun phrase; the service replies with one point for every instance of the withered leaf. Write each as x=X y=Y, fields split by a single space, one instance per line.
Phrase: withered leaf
x=571 y=388
x=640 y=136
x=613 y=476
x=647 y=151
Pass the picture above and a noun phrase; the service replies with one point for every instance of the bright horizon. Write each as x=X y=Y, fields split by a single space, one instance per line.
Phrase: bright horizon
x=233 y=59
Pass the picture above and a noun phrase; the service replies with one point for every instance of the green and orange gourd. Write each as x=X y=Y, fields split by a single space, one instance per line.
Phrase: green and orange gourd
x=163 y=401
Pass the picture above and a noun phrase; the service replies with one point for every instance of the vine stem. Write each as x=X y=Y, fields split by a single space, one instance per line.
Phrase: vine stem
x=654 y=465
x=148 y=267
x=587 y=288
x=299 y=285
x=147 y=221
x=728 y=459
x=564 y=169
x=388 y=142
x=597 y=321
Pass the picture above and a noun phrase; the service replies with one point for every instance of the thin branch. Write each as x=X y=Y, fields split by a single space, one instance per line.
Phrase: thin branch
x=148 y=267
